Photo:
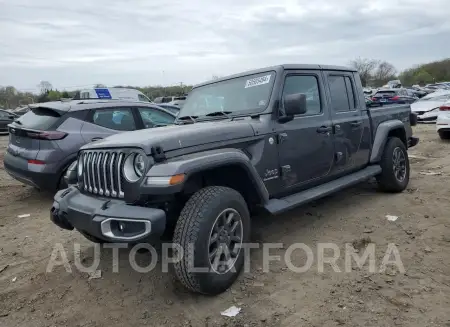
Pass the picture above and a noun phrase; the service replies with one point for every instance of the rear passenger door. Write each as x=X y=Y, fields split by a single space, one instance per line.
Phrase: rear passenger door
x=103 y=122
x=348 y=124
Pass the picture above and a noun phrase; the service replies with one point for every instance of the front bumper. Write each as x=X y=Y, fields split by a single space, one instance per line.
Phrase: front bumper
x=427 y=116
x=110 y=220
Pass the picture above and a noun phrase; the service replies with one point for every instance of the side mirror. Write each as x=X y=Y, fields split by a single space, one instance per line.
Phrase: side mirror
x=11 y=116
x=294 y=104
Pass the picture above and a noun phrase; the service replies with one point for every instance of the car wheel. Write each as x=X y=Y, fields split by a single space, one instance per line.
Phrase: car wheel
x=444 y=135
x=394 y=163
x=211 y=229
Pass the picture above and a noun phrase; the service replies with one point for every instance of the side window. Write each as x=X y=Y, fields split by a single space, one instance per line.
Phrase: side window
x=350 y=92
x=308 y=85
x=342 y=94
x=85 y=95
x=151 y=117
x=120 y=119
x=3 y=115
x=142 y=97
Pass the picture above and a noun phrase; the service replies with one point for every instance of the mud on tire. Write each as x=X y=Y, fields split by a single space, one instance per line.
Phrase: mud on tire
x=198 y=226
x=394 y=163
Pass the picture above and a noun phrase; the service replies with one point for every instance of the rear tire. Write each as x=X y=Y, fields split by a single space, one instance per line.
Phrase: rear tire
x=214 y=223
x=394 y=163
x=444 y=135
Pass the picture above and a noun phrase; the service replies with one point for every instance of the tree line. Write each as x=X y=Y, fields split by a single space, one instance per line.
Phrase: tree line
x=374 y=73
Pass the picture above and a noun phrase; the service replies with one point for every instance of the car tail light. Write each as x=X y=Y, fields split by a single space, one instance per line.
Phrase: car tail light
x=374 y=99
x=395 y=98
x=36 y=162
x=46 y=135
x=444 y=108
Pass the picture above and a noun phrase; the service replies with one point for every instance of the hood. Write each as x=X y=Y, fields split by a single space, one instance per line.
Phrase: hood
x=177 y=136
x=426 y=105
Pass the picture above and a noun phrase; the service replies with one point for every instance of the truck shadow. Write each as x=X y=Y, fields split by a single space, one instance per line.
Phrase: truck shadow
x=149 y=268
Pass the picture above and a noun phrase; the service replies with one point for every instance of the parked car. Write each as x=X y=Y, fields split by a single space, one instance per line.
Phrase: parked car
x=393 y=96
x=170 y=99
x=443 y=121
x=111 y=93
x=21 y=111
x=414 y=92
x=272 y=146
x=45 y=141
x=6 y=117
x=427 y=108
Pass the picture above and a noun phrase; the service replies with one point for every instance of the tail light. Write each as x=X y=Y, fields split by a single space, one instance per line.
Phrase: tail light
x=444 y=108
x=374 y=99
x=395 y=98
x=36 y=162
x=46 y=135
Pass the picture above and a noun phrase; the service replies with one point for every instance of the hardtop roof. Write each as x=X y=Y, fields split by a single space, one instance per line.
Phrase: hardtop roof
x=278 y=69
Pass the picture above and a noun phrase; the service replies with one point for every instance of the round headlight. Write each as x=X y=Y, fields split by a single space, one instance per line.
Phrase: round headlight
x=139 y=164
x=134 y=167
x=80 y=166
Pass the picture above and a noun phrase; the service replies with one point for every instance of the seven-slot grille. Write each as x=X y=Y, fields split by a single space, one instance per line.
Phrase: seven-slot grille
x=102 y=172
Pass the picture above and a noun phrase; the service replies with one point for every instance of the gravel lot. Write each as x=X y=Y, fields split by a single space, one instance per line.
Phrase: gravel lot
x=421 y=297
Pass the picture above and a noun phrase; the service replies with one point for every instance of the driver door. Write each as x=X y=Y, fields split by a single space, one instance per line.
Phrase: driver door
x=305 y=144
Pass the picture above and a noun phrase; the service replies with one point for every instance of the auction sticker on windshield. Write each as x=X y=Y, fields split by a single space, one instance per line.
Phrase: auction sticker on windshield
x=257 y=81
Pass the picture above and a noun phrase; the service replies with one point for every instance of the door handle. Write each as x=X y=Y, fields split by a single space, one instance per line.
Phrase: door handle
x=96 y=139
x=324 y=129
x=282 y=137
x=356 y=124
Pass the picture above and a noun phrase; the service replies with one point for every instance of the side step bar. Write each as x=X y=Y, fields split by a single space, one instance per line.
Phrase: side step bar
x=277 y=206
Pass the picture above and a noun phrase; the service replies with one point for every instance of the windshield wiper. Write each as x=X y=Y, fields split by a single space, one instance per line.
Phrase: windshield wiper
x=219 y=113
x=183 y=118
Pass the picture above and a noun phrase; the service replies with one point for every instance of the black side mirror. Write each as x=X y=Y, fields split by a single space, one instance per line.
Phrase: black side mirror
x=294 y=104
x=11 y=116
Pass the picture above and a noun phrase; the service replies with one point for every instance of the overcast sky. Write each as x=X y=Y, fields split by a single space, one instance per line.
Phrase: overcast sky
x=145 y=42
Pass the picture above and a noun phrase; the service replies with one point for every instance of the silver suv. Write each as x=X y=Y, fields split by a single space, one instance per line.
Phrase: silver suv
x=45 y=141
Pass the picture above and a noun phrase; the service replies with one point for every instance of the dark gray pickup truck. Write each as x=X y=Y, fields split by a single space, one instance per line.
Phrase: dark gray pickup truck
x=273 y=138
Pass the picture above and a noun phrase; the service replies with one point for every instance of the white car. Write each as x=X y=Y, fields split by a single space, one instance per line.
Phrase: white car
x=443 y=121
x=427 y=108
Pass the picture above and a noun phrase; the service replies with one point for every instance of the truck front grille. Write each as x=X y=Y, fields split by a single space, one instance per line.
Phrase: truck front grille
x=102 y=172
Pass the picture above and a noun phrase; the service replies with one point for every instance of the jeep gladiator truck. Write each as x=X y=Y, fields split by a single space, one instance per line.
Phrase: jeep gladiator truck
x=272 y=138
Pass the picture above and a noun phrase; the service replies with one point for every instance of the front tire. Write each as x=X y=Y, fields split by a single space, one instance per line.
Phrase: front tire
x=394 y=163
x=214 y=223
x=444 y=135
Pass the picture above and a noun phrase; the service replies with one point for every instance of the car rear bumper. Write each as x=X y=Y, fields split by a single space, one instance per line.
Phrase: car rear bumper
x=18 y=168
x=110 y=220
x=443 y=122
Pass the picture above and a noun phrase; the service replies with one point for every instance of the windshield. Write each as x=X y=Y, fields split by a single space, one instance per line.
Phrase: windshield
x=238 y=95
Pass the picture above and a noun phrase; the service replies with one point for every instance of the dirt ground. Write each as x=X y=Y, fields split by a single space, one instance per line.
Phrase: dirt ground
x=420 y=297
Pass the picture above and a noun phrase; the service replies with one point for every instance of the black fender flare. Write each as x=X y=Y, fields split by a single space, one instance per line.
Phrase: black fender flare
x=381 y=136
x=201 y=161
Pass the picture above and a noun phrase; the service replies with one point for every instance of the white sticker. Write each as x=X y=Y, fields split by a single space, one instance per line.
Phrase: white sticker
x=257 y=81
